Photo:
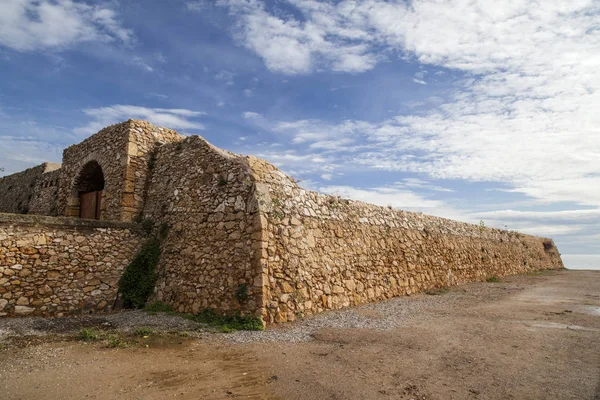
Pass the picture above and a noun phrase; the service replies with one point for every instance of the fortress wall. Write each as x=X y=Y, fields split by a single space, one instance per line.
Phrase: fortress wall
x=142 y=141
x=242 y=235
x=56 y=266
x=329 y=253
x=107 y=148
x=45 y=194
x=17 y=190
x=206 y=196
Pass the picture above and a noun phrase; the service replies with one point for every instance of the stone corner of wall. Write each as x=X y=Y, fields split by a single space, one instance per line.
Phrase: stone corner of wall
x=51 y=167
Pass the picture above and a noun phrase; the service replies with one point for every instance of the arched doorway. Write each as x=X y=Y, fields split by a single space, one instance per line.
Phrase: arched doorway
x=88 y=186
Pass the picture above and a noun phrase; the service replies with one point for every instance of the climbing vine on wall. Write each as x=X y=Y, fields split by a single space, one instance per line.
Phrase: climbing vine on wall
x=138 y=281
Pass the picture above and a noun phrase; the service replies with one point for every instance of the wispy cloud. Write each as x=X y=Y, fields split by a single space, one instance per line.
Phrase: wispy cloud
x=28 y=25
x=290 y=46
x=585 y=216
x=397 y=197
x=383 y=196
x=525 y=114
x=27 y=143
x=225 y=77
x=197 y=5
x=423 y=184
x=174 y=118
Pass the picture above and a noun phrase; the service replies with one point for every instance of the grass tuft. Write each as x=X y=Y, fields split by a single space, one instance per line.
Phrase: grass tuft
x=437 y=292
x=116 y=341
x=88 y=335
x=143 y=331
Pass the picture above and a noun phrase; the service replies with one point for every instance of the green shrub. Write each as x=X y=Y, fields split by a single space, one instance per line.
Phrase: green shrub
x=493 y=279
x=139 y=278
x=88 y=335
x=548 y=245
x=163 y=231
x=158 y=306
x=116 y=341
x=152 y=161
x=437 y=292
x=143 y=331
x=242 y=293
x=148 y=225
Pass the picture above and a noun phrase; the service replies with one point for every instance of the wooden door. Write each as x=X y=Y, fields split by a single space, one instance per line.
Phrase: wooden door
x=89 y=205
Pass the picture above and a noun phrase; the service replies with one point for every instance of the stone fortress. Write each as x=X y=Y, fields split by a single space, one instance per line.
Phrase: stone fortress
x=236 y=224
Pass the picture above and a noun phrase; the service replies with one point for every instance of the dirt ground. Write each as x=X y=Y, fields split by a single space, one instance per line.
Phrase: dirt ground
x=527 y=337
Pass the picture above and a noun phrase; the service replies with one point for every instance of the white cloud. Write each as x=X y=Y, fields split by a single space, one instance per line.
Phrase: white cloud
x=385 y=196
x=548 y=230
x=574 y=228
x=251 y=115
x=584 y=216
x=197 y=6
x=25 y=143
x=28 y=25
x=423 y=184
x=290 y=159
x=225 y=77
x=526 y=113
x=172 y=118
x=290 y=46
x=32 y=151
x=581 y=261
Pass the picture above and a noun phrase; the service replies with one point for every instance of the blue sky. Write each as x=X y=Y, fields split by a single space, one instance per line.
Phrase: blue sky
x=467 y=109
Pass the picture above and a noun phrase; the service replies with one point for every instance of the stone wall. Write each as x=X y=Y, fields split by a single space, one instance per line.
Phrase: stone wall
x=108 y=149
x=143 y=139
x=57 y=266
x=242 y=236
x=17 y=190
x=45 y=194
x=325 y=253
x=206 y=196
x=123 y=152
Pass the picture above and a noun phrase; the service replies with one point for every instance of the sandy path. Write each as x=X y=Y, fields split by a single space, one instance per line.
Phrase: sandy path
x=530 y=337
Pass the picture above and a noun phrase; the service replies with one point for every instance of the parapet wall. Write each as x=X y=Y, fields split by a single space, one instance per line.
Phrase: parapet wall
x=45 y=195
x=56 y=266
x=18 y=190
x=328 y=253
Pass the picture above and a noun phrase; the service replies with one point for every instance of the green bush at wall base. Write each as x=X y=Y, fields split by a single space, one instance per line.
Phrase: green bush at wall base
x=158 y=306
x=137 y=283
x=242 y=293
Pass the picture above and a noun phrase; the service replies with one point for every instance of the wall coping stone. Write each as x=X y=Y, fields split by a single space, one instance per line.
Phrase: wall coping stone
x=67 y=222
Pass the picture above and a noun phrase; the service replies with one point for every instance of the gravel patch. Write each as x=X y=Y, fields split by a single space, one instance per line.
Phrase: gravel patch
x=392 y=313
x=388 y=314
x=125 y=321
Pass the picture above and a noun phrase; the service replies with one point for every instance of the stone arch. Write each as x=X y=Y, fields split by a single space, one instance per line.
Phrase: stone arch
x=87 y=189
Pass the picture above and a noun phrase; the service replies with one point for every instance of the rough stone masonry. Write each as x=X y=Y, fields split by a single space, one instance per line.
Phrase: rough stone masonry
x=60 y=266
x=243 y=236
